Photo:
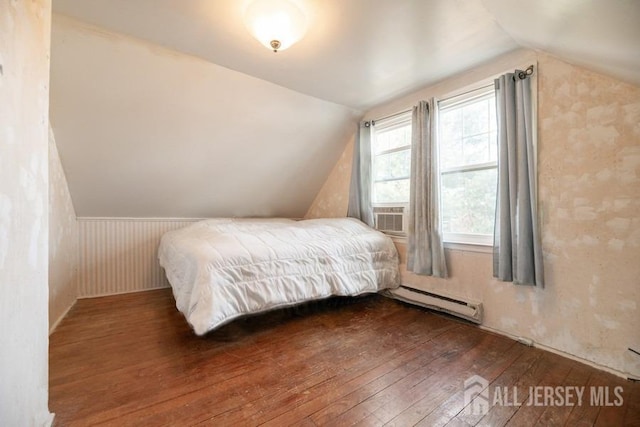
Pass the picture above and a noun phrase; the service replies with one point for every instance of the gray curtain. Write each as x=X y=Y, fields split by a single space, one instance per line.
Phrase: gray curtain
x=360 y=206
x=425 y=254
x=517 y=252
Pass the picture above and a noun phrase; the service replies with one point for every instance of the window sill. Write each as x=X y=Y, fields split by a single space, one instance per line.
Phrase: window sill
x=469 y=247
x=463 y=247
x=398 y=239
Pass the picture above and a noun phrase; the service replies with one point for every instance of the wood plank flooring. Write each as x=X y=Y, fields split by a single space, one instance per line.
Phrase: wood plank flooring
x=132 y=360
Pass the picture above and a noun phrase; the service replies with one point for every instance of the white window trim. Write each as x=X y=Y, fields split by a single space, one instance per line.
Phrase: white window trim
x=466 y=241
x=468 y=247
x=470 y=168
x=389 y=124
x=449 y=246
x=461 y=90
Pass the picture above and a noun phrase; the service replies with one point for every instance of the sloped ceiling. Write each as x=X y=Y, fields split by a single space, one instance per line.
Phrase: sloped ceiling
x=147 y=132
x=362 y=53
x=603 y=35
x=171 y=108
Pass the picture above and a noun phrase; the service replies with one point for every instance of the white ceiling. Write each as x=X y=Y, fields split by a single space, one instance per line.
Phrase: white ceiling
x=169 y=108
x=147 y=132
x=361 y=53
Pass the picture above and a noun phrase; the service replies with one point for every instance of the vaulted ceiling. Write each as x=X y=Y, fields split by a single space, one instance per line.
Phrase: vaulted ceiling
x=171 y=108
x=360 y=53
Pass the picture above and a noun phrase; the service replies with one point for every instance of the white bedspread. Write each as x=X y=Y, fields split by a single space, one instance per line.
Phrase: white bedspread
x=220 y=269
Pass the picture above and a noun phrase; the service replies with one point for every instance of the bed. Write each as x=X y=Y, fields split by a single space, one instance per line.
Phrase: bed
x=220 y=269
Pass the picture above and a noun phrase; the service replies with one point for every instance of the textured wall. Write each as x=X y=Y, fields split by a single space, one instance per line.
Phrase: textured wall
x=589 y=182
x=589 y=188
x=332 y=201
x=24 y=95
x=63 y=240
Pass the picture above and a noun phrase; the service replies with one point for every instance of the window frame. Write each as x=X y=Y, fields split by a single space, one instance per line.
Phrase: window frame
x=476 y=93
x=390 y=123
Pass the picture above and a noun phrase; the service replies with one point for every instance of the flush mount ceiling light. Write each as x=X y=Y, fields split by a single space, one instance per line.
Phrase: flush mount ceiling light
x=277 y=24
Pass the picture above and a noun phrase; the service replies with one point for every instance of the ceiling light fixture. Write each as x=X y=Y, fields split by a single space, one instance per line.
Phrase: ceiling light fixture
x=277 y=24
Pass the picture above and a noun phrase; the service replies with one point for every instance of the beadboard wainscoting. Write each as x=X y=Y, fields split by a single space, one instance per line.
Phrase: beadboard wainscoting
x=120 y=255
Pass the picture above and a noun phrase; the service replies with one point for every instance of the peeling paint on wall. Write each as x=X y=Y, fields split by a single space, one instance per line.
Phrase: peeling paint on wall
x=25 y=28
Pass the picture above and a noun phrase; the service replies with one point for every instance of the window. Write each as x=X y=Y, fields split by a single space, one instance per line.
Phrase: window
x=391 y=168
x=467 y=135
x=467 y=142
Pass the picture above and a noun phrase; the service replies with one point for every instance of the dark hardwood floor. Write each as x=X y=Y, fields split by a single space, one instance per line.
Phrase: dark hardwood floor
x=131 y=360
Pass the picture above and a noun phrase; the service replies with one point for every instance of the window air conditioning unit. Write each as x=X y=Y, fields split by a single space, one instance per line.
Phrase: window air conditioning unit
x=392 y=220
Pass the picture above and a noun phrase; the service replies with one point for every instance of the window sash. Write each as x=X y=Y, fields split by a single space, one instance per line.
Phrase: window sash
x=458 y=102
x=397 y=178
x=400 y=178
x=393 y=150
x=382 y=126
x=469 y=168
x=468 y=238
x=394 y=121
x=389 y=202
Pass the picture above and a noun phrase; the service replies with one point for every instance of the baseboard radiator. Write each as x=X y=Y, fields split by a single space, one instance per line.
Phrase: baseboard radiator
x=468 y=310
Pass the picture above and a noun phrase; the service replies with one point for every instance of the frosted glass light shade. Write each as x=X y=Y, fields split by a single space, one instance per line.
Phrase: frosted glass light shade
x=277 y=24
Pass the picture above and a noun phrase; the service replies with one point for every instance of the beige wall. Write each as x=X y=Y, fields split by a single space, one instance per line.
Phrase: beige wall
x=24 y=89
x=333 y=199
x=63 y=240
x=589 y=187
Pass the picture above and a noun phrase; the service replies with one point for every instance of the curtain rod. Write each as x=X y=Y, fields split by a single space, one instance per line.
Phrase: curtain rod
x=526 y=73
x=373 y=122
x=519 y=73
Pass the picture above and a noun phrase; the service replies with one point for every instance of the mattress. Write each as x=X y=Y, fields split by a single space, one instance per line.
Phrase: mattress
x=221 y=269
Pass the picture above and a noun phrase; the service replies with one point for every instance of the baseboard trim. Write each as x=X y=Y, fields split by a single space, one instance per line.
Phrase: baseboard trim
x=128 y=291
x=544 y=347
x=53 y=327
x=51 y=422
x=138 y=219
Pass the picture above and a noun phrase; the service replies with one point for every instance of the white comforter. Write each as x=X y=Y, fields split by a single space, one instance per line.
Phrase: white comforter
x=220 y=269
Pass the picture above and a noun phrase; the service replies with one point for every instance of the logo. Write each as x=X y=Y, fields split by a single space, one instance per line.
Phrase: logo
x=479 y=397
x=476 y=394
